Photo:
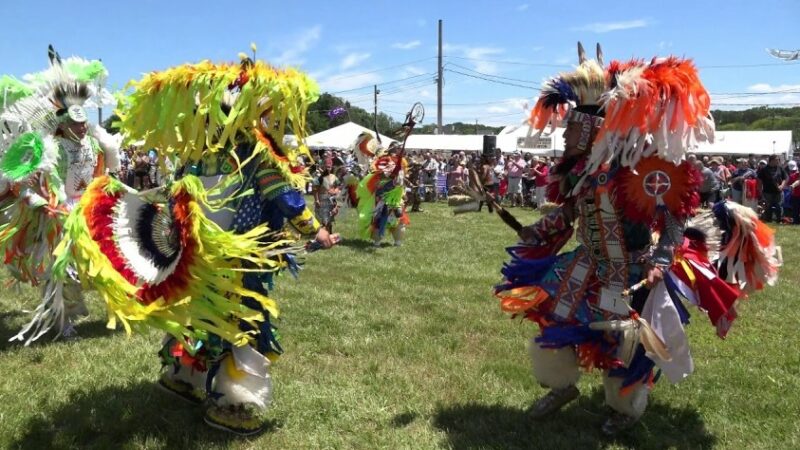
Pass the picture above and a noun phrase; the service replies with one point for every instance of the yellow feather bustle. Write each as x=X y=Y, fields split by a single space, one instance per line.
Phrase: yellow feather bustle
x=180 y=111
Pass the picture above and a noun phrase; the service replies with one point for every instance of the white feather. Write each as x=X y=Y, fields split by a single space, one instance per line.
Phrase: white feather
x=110 y=145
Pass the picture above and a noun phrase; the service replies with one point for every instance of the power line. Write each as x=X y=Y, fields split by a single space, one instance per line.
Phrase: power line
x=753 y=94
x=740 y=66
x=493 y=102
x=383 y=83
x=380 y=69
x=718 y=66
x=510 y=62
x=493 y=76
x=755 y=104
x=408 y=87
x=492 y=80
x=392 y=90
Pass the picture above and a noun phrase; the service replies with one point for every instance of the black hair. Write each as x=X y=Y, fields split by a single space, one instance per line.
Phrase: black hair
x=591 y=109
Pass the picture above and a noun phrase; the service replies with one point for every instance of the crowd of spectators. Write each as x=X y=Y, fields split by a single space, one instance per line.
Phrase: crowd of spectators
x=770 y=186
x=139 y=168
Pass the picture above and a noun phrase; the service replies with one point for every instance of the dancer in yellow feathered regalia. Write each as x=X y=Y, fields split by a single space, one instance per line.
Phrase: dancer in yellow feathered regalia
x=196 y=258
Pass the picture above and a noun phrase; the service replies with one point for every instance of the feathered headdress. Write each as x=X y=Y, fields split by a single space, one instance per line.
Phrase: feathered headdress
x=652 y=108
x=205 y=107
x=44 y=99
x=578 y=91
x=34 y=108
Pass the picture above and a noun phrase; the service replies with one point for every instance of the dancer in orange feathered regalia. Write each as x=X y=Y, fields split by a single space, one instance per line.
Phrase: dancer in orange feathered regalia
x=616 y=302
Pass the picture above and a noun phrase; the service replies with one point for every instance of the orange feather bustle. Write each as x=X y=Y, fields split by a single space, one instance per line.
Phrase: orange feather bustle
x=681 y=199
x=640 y=107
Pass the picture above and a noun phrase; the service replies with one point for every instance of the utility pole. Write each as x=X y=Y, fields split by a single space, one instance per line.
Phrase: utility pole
x=439 y=82
x=375 y=104
x=476 y=126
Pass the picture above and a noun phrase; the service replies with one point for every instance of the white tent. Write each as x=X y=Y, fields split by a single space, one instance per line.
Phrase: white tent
x=446 y=142
x=521 y=138
x=341 y=137
x=726 y=143
x=749 y=143
x=509 y=140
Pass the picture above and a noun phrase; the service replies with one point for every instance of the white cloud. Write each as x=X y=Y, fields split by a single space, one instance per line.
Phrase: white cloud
x=344 y=81
x=523 y=7
x=293 y=54
x=503 y=112
x=605 y=27
x=497 y=109
x=410 y=71
x=475 y=54
x=783 y=94
x=766 y=87
x=353 y=59
x=406 y=45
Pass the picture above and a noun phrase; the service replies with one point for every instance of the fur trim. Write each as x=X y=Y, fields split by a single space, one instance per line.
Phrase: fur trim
x=632 y=403
x=554 y=368
x=239 y=385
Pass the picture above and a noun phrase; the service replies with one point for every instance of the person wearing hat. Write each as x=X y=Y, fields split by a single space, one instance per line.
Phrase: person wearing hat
x=773 y=180
x=794 y=184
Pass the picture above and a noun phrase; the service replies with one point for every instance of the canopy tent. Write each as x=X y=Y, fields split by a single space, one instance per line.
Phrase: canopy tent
x=341 y=137
x=748 y=143
x=446 y=142
x=726 y=142
x=523 y=139
x=509 y=140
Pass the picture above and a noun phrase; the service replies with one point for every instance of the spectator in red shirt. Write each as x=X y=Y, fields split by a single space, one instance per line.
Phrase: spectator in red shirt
x=794 y=184
x=539 y=173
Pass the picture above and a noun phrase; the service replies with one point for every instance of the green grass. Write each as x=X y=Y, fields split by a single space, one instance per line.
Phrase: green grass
x=406 y=348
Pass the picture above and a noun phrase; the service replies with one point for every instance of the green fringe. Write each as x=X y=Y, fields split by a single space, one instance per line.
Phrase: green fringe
x=23 y=157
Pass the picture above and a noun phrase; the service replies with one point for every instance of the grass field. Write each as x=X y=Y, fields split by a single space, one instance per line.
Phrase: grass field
x=406 y=348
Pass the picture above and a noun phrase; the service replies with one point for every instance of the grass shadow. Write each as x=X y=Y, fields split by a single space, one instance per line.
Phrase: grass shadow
x=122 y=416
x=87 y=329
x=474 y=426
x=357 y=244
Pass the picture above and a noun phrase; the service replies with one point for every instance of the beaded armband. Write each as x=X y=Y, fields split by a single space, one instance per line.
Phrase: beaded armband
x=271 y=183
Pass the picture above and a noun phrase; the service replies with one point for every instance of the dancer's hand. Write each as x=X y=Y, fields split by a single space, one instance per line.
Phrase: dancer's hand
x=326 y=239
x=654 y=275
x=527 y=234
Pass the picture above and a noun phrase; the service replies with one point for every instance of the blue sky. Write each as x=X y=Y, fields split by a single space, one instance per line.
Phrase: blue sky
x=348 y=46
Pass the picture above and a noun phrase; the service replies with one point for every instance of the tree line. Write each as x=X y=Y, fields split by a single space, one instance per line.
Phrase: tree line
x=760 y=118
